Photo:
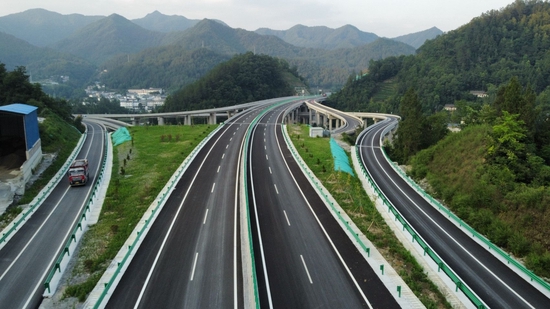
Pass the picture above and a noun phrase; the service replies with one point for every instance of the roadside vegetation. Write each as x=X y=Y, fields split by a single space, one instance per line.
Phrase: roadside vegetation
x=141 y=168
x=349 y=193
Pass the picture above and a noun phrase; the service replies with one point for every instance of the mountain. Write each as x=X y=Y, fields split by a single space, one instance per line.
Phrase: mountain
x=322 y=37
x=167 y=67
x=418 y=38
x=41 y=27
x=236 y=81
x=42 y=62
x=159 y=22
x=107 y=37
x=223 y=39
x=322 y=68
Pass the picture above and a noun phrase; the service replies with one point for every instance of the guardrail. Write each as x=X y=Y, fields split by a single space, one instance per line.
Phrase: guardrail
x=41 y=196
x=442 y=266
x=471 y=230
x=247 y=203
x=319 y=188
x=160 y=200
x=55 y=273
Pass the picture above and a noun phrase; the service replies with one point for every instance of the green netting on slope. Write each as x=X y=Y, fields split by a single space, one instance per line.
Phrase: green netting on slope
x=120 y=136
x=341 y=161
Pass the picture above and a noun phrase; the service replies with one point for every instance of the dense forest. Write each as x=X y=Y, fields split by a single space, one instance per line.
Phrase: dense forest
x=168 y=67
x=15 y=87
x=244 y=78
x=481 y=55
x=495 y=173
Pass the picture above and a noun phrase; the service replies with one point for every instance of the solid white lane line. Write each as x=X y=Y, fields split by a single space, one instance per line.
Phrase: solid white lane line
x=287 y=221
x=276 y=188
x=270 y=170
x=205 y=216
x=194 y=266
x=321 y=225
x=36 y=233
x=214 y=185
x=307 y=271
x=39 y=284
x=450 y=237
x=218 y=168
x=152 y=268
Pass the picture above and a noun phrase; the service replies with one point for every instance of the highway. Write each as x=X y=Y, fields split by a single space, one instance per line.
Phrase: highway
x=495 y=283
x=303 y=257
x=351 y=123
x=190 y=258
x=29 y=255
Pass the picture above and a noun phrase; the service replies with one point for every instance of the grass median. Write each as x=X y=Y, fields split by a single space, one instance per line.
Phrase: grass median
x=141 y=168
x=349 y=193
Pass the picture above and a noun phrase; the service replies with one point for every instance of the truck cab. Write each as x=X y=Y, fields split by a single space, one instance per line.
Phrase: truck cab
x=78 y=172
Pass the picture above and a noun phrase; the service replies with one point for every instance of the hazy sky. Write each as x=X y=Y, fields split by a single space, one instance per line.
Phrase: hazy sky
x=389 y=18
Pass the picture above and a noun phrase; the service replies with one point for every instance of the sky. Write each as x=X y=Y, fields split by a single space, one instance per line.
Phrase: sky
x=386 y=18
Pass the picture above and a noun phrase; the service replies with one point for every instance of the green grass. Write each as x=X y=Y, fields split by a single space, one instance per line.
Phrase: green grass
x=349 y=193
x=511 y=215
x=141 y=168
x=387 y=89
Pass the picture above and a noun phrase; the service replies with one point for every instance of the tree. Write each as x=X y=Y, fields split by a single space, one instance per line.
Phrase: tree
x=409 y=133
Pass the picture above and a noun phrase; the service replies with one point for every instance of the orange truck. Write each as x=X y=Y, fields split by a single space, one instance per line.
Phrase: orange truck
x=78 y=172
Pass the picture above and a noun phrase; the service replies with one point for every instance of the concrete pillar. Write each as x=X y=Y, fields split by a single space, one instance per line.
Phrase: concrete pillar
x=135 y=121
x=212 y=118
x=375 y=120
x=329 y=123
x=310 y=117
x=317 y=120
x=160 y=121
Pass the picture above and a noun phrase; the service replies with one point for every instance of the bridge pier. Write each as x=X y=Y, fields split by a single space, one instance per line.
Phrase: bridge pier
x=160 y=121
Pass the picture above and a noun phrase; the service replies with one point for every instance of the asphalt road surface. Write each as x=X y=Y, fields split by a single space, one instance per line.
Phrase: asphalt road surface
x=28 y=257
x=490 y=279
x=303 y=258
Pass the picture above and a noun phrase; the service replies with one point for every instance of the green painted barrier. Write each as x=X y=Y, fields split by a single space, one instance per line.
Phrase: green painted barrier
x=65 y=252
x=416 y=237
x=160 y=203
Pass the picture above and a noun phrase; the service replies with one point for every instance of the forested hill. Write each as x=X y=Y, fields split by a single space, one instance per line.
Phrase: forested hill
x=495 y=173
x=105 y=38
x=481 y=55
x=244 y=78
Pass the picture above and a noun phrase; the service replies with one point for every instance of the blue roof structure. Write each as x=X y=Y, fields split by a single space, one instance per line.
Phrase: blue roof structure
x=18 y=108
x=20 y=120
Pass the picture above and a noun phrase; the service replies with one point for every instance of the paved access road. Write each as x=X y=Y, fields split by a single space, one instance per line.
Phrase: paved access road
x=490 y=279
x=303 y=258
x=27 y=258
